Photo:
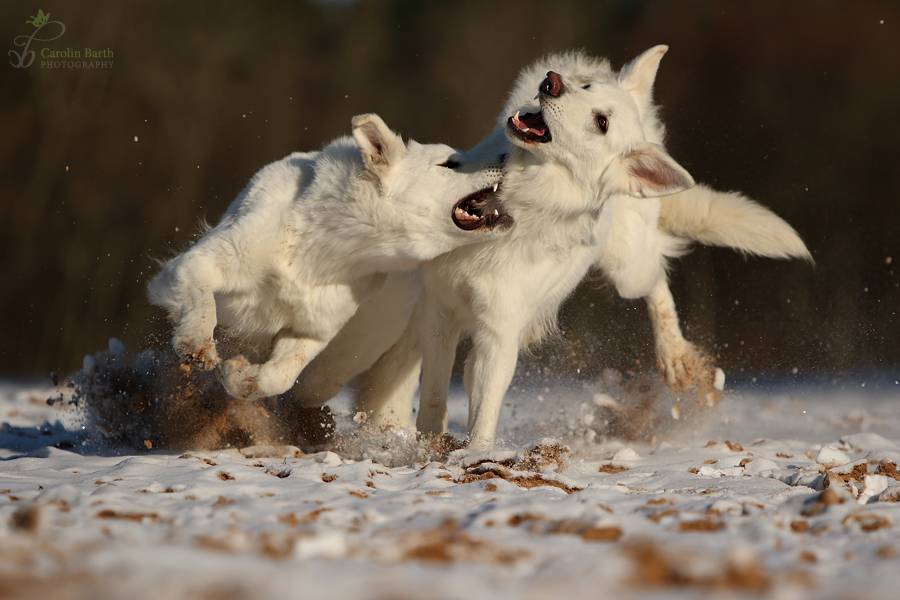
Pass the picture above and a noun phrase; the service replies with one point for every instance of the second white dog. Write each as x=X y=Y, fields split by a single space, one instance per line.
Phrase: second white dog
x=311 y=238
x=583 y=181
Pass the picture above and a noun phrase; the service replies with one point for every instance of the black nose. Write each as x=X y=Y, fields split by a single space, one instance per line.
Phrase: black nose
x=553 y=85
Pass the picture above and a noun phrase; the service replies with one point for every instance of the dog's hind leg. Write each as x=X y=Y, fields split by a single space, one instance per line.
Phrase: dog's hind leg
x=385 y=392
x=440 y=335
x=247 y=381
x=682 y=365
x=377 y=344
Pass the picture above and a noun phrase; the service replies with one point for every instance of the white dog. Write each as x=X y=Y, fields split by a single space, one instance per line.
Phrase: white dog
x=645 y=233
x=311 y=238
x=583 y=180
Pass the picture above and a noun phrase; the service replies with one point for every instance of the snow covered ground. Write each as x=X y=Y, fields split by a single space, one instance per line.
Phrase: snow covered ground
x=784 y=493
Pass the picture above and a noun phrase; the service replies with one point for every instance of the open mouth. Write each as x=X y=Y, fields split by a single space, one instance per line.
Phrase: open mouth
x=529 y=127
x=480 y=211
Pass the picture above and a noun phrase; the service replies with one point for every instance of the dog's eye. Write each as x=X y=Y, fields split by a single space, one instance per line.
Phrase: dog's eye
x=586 y=86
x=602 y=123
x=450 y=164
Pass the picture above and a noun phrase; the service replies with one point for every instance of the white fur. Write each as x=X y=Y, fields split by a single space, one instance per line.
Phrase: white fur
x=584 y=199
x=307 y=242
x=530 y=272
x=505 y=294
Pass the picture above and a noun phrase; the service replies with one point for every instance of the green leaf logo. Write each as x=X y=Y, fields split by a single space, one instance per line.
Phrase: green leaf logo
x=40 y=19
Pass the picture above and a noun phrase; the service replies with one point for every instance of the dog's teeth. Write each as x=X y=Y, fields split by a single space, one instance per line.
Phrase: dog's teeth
x=516 y=116
x=496 y=213
x=496 y=185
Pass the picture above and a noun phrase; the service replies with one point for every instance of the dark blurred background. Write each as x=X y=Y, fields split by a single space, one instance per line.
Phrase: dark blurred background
x=795 y=103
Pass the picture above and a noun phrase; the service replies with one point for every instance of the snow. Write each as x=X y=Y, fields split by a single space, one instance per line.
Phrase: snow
x=774 y=493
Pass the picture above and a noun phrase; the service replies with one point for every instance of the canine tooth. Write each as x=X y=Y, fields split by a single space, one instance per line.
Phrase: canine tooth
x=496 y=185
x=496 y=212
x=516 y=116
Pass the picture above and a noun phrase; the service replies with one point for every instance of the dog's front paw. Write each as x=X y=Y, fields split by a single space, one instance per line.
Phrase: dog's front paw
x=240 y=378
x=200 y=353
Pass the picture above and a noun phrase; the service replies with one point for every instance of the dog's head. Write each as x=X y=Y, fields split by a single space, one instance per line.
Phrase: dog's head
x=596 y=127
x=439 y=200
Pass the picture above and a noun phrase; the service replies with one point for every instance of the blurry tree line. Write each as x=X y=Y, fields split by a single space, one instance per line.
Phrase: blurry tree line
x=106 y=170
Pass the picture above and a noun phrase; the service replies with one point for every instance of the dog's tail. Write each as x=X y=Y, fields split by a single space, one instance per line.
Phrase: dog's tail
x=732 y=220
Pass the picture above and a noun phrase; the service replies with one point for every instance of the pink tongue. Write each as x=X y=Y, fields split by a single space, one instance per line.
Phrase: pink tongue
x=522 y=126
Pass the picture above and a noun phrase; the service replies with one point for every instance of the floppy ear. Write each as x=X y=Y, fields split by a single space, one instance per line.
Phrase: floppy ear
x=381 y=147
x=647 y=171
x=637 y=76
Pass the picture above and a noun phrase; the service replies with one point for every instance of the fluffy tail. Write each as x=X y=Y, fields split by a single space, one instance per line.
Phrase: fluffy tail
x=732 y=220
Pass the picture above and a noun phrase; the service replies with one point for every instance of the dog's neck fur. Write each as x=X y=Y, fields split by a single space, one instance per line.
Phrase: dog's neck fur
x=576 y=203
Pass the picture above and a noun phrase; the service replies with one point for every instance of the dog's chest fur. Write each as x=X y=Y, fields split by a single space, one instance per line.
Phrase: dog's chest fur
x=519 y=281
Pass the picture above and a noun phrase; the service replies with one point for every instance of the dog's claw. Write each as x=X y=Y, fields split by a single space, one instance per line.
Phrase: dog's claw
x=198 y=354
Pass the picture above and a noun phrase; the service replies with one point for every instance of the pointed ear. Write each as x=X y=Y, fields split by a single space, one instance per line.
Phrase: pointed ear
x=637 y=76
x=647 y=171
x=381 y=147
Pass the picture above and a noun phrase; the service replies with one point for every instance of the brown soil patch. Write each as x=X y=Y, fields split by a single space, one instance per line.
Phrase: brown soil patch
x=888 y=469
x=800 y=526
x=807 y=556
x=136 y=517
x=731 y=446
x=495 y=471
x=60 y=585
x=276 y=545
x=292 y=520
x=653 y=567
x=586 y=530
x=867 y=522
x=542 y=456
x=659 y=516
x=27 y=519
x=441 y=446
x=700 y=525
x=516 y=520
x=612 y=469
x=857 y=473
x=821 y=502
x=447 y=543
x=602 y=534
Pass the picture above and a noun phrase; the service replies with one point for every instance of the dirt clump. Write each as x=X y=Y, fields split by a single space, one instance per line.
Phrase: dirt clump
x=153 y=401
x=544 y=456
x=490 y=470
